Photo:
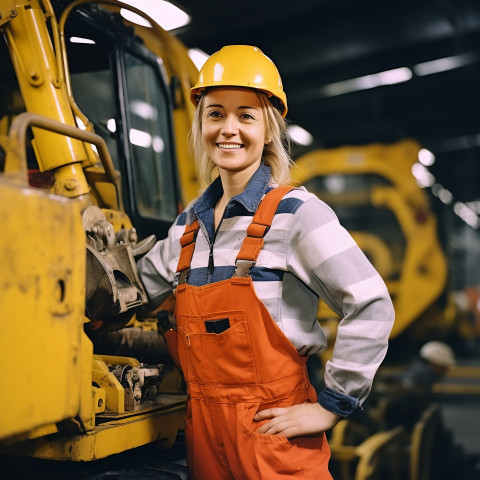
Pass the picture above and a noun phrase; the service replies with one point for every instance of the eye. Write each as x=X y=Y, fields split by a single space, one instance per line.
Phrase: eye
x=247 y=116
x=214 y=114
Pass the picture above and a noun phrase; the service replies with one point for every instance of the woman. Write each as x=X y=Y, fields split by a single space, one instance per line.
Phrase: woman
x=249 y=260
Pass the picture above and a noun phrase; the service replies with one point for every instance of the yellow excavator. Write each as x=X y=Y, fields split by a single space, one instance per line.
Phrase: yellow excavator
x=94 y=115
x=374 y=193
x=376 y=197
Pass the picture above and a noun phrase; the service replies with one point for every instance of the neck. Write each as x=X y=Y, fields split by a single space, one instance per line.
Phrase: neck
x=234 y=183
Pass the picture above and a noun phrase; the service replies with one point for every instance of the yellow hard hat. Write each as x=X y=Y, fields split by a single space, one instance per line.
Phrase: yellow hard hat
x=241 y=66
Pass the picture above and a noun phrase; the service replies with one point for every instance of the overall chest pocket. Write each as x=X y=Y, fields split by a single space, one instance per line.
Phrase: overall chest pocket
x=224 y=358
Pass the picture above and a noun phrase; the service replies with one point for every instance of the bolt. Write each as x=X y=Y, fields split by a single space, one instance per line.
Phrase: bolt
x=100 y=402
x=13 y=13
x=70 y=185
x=132 y=235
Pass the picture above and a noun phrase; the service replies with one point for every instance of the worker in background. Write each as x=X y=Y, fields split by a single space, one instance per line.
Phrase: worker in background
x=435 y=359
x=408 y=394
x=248 y=261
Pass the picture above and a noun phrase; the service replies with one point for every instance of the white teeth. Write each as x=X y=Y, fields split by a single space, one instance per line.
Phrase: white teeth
x=231 y=146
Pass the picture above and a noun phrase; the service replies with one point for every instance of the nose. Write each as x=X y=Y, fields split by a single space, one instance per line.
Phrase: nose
x=230 y=126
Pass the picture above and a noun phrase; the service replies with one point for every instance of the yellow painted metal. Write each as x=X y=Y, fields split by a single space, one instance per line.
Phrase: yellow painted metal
x=102 y=191
x=88 y=397
x=118 y=219
x=7 y=11
x=423 y=272
x=114 y=393
x=16 y=158
x=426 y=436
x=60 y=387
x=117 y=360
x=98 y=399
x=161 y=424
x=41 y=86
x=43 y=291
x=370 y=456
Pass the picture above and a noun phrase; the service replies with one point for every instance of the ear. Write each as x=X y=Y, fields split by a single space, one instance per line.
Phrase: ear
x=268 y=141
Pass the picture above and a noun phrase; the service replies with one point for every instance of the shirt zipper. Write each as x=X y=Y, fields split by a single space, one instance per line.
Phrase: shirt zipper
x=211 y=266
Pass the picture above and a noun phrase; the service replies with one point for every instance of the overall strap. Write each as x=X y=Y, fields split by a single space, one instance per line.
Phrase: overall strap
x=262 y=220
x=187 y=241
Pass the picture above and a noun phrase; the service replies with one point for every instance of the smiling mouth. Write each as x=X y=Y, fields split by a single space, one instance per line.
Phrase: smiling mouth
x=230 y=146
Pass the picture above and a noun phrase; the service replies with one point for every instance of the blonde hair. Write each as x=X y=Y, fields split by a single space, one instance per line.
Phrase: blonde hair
x=276 y=153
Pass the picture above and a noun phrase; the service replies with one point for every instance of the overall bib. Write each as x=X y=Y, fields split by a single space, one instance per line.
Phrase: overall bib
x=236 y=362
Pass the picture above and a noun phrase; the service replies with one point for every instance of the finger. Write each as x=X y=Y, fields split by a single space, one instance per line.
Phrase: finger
x=263 y=428
x=269 y=413
x=290 y=432
x=268 y=426
x=273 y=427
x=269 y=429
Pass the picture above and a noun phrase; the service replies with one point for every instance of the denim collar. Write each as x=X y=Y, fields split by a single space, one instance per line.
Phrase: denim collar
x=250 y=198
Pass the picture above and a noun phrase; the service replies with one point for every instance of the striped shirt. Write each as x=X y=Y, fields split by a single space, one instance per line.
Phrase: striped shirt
x=307 y=254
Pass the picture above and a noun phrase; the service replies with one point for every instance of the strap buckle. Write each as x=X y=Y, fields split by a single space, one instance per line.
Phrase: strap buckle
x=180 y=278
x=243 y=267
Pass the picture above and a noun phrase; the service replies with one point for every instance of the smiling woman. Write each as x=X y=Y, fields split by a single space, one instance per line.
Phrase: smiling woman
x=233 y=130
x=225 y=69
x=247 y=262
x=233 y=135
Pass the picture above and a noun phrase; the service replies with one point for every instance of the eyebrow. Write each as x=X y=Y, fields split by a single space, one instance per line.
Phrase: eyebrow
x=217 y=105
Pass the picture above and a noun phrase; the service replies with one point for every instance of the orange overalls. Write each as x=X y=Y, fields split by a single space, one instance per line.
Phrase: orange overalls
x=236 y=361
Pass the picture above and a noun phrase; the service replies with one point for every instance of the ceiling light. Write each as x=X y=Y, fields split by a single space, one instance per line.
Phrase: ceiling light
x=143 y=109
x=475 y=206
x=426 y=157
x=112 y=125
x=168 y=16
x=198 y=57
x=300 y=135
x=140 y=138
x=388 y=77
x=442 y=193
x=445 y=64
x=423 y=176
x=82 y=40
x=467 y=215
x=335 y=183
x=158 y=144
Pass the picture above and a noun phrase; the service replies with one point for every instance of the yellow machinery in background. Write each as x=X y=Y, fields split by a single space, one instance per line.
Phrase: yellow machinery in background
x=94 y=115
x=377 y=199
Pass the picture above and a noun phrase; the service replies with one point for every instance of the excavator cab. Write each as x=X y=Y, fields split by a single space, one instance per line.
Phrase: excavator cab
x=94 y=115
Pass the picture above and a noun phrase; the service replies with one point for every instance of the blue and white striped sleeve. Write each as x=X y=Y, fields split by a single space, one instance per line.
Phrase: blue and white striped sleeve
x=157 y=268
x=327 y=259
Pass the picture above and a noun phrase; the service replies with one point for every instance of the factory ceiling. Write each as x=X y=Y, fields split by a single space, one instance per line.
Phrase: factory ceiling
x=329 y=53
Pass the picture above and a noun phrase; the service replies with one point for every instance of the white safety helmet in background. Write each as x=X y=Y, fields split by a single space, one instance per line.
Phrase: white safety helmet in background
x=439 y=353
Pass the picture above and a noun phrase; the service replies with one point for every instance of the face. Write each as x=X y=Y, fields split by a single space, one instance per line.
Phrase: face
x=233 y=129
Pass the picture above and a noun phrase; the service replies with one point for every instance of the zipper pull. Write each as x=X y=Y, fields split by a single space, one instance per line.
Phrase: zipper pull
x=211 y=266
